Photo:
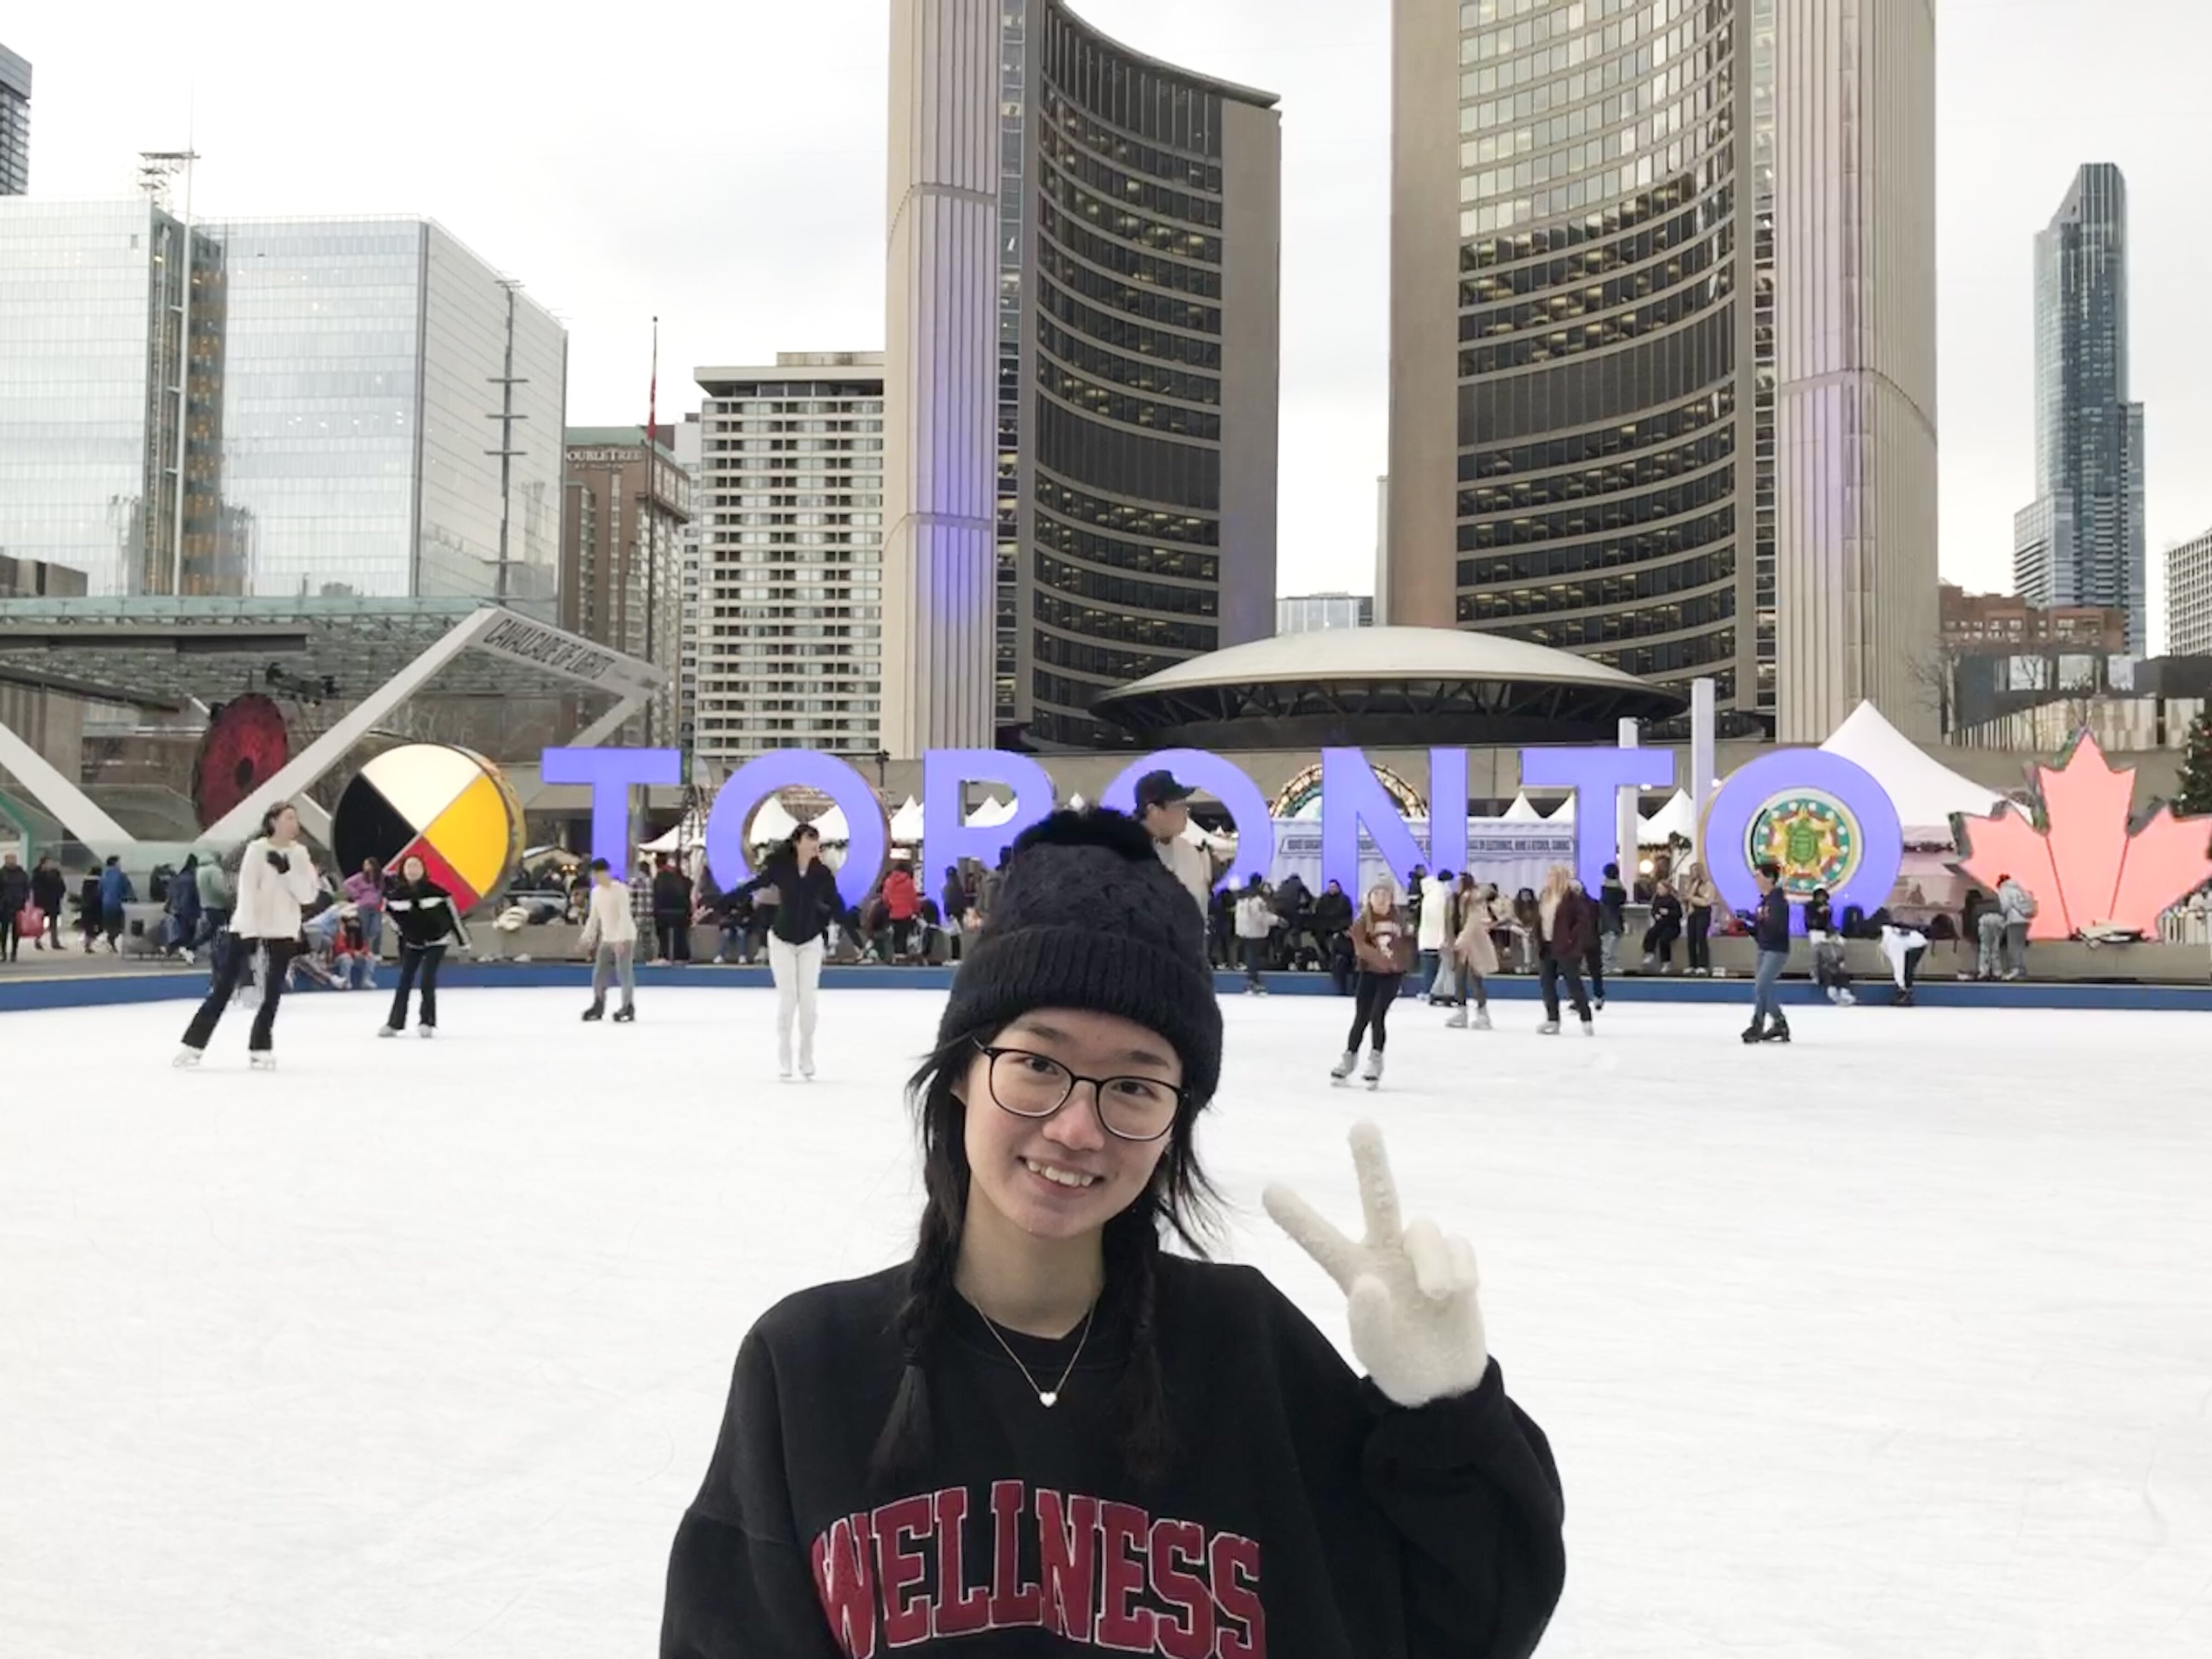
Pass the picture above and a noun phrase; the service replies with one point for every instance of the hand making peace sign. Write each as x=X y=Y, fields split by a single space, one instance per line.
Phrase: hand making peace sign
x=1416 y=1324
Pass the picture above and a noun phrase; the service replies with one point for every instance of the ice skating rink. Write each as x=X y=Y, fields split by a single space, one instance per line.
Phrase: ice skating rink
x=1894 y=1342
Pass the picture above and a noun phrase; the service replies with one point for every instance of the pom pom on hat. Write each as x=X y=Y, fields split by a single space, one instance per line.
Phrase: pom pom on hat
x=1088 y=917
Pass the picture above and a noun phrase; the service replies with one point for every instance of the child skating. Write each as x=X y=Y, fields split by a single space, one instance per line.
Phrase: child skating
x=1477 y=955
x=1382 y=943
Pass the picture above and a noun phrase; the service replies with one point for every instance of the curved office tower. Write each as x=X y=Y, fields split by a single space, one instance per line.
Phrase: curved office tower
x=1127 y=516
x=1598 y=335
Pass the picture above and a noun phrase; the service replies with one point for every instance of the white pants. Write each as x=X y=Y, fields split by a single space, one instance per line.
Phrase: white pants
x=798 y=971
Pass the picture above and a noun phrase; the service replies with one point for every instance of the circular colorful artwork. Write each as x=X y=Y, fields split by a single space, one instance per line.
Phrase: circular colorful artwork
x=1813 y=835
x=447 y=806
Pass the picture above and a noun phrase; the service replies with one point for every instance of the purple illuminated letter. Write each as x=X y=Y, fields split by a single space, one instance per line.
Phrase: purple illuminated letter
x=1255 y=830
x=947 y=837
x=1351 y=795
x=1596 y=775
x=610 y=773
x=1447 y=808
x=807 y=769
x=1786 y=771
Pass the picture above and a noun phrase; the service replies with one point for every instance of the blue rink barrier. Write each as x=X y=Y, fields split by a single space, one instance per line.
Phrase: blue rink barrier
x=102 y=990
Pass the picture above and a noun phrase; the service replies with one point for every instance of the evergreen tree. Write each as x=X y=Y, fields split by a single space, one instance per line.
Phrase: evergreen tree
x=2195 y=793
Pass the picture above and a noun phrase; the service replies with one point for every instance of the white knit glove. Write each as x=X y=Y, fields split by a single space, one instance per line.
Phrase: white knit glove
x=1416 y=1324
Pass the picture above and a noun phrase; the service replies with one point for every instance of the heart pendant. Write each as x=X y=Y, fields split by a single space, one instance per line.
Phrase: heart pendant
x=1049 y=1398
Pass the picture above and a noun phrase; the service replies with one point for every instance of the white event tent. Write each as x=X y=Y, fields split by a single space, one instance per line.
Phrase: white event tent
x=906 y=822
x=1523 y=811
x=1925 y=791
x=1679 y=817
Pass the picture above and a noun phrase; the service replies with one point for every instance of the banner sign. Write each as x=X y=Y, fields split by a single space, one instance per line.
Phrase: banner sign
x=1824 y=820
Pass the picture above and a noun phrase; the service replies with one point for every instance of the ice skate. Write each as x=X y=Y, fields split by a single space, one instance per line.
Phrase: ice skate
x=1482 y=1019
x=1549 y=1027
x=626 y=1015
x=1458 y=1020
x=1777 y=1032
x=187 y=1058
x=388 y=1031
x=1590 y=1027
x=1753 y=1033
x=426 y=1030
x=262 y=1062
x=597 y=1011
x=1598 y=1002
x=1372 y=1077
x=1845 y=998
x=1343 y=1068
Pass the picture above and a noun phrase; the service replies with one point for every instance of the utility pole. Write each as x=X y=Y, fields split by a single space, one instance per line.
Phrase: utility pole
x=507 y=452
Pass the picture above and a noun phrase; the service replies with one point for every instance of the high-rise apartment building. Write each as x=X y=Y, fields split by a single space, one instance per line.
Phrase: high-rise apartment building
x=14 y=124
x=790 y=507
x=1661 y=354
x=2081 y=541
x=2189 y=598
x=627 y=503
x=1082 y=372
x=1308 y=613
x=689 y=440
x=371 y=409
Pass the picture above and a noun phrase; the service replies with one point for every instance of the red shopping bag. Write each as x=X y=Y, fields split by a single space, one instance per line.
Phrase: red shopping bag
x=30 y=922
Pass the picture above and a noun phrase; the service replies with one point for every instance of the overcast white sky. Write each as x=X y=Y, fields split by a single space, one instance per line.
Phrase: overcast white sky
x=722 y=165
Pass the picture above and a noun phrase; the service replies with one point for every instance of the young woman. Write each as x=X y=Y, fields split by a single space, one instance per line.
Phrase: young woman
x=1699 y=898
x=806 y=902
x=609 y=940
x=1666 y=928
x=1566 y=924
x=276 y=879
x=1382 y=944
x=1045 y=1434
x=1476 y=953
x=427 y=919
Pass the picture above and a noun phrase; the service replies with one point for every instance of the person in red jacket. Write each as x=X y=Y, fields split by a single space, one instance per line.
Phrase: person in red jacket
x=1566 y=929
x=902 y=903
x=1047 y=1433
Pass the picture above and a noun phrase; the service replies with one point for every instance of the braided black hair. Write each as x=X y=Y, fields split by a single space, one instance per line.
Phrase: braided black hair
x=1179 y=1199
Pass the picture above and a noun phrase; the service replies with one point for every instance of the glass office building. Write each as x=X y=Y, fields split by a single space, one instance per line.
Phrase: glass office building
x=94 y=432
x=353 y=383
x=2081 y=542
x=14 y=124
x=367 y=396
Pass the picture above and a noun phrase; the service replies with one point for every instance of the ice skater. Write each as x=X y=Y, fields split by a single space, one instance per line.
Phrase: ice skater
x=1476 y=953
x=1043 y=1376
x=1769 y=927
x=1382 y=945
x=1566 y=931
x=806 y=902
x=1903 y=947
x=610 y=940
x=275 y=882
x=426 y=920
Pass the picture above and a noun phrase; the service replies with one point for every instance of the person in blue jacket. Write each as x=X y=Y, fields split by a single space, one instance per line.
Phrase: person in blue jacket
x=115 y=892
x=1770 y=928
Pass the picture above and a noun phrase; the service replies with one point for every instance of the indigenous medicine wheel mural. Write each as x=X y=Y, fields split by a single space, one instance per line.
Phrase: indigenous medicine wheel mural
x=448 y=807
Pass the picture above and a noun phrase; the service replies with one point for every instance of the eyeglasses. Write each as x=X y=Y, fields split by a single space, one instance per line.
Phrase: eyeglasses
x=1036 y=1085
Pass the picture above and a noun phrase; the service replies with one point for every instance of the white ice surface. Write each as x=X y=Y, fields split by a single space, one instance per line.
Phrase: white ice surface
x=1895 y=1344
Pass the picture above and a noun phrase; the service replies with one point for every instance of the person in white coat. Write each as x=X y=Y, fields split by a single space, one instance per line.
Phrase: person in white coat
x=275 y=882
x=610 y=938
x=1435 y=933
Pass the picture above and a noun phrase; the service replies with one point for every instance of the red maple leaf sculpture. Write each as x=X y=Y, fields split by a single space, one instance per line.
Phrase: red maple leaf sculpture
x=2078 y=853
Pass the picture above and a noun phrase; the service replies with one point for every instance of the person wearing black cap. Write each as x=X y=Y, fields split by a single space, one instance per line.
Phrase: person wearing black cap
x=1043 y=1422
x=1161 y=809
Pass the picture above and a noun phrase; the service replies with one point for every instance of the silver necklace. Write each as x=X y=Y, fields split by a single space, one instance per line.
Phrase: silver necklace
x=1047 y=1397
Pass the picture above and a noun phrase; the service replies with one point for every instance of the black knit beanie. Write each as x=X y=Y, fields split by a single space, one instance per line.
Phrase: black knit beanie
x=1086 y=917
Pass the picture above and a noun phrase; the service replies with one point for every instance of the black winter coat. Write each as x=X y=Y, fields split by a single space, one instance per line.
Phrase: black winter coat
x=424 y=913
x=49 y=892
x=1771 y=922
x=15 y=889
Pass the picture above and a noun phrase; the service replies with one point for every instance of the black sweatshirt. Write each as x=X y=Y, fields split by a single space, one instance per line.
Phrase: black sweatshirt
x=1304 y=1516
x=805 y=904
x=425 y=914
